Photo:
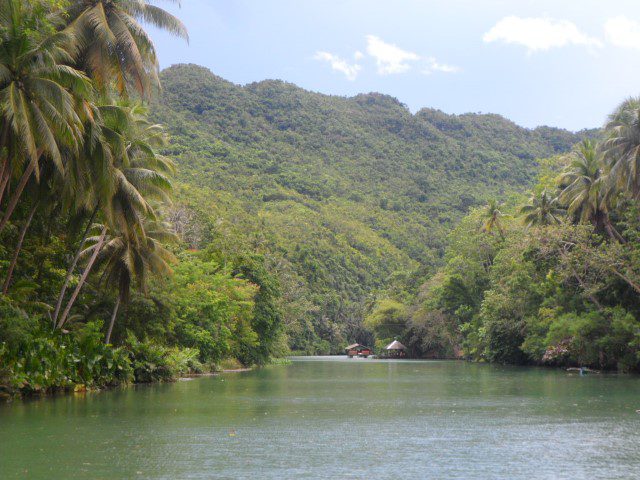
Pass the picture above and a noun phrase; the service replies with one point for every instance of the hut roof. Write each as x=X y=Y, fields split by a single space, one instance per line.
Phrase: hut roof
x=355 y=345
x=395 y=345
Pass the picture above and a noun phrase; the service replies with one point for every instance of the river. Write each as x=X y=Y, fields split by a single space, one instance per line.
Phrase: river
x=336 y=418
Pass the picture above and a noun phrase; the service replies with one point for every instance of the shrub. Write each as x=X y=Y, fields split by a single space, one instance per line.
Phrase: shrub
x=45 y=360
x=156 y=363
x=150 y=361
x=185 y=360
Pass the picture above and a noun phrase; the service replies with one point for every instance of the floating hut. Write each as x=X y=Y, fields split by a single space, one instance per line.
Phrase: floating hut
x=357 y=350
x=396 y=349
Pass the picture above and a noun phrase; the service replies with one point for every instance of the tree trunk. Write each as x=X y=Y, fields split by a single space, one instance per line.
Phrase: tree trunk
x=5 y=173
x=16 y=253
x=72 y=267
x=590 y=296
x=630 y=282
x=611 y=230
x=16 y=195
x=113 y=320
x=602 y=223
x=83 y=278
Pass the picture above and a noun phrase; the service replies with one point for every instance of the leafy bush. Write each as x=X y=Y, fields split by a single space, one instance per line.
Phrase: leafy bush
x=153 y=362
x=185 y=360
x=150 y=361
x=44 y=361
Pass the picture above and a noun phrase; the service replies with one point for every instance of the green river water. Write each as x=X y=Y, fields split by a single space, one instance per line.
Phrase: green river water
x=336 y=418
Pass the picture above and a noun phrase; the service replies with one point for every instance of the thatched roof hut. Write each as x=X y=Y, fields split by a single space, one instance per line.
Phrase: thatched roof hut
x=395 y=345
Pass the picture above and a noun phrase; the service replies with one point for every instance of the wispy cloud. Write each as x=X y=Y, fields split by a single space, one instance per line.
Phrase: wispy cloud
x=434 y=66
x=350 y=70
x=538 y=34
x=622 y=32
x=389 y=58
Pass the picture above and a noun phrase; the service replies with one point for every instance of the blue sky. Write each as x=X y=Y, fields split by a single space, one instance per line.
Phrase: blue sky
x=564 y=63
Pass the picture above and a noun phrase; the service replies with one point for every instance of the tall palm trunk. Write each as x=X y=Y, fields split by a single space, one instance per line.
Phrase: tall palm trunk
x=72 y=266
x=5 y=171
x=612 y=232
x=16 y=195
x=83 y=278
x=602 y=224
x=113 y=320
x=4 y=180
x=5 y=174
x=16 y=253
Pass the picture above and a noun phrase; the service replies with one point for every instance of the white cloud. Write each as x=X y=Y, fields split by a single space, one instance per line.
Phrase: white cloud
x=539 y=33
x=433 y=66
x=389 y=58
x=350 y=70
x=622 y=32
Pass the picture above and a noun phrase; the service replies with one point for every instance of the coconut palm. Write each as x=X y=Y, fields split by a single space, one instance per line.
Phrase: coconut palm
x=113 y=46
x=622 y=147
x=542 y=210
x=39 y=193
x=493 y=216
x=139 y=174
x=130 y=257
x=39 y=98
x=581 y=183
x=585 y=189
x=90 y=178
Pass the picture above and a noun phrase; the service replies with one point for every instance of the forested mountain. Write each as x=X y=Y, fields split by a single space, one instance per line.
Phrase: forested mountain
x=339 y=193
x=156 y=224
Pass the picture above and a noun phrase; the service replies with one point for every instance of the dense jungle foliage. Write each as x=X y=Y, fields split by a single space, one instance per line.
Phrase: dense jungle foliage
x=148 y=232
x=341 y=195
x=553 y=280
x=98 y=288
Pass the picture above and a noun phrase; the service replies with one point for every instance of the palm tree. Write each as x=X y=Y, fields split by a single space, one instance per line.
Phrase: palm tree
x=542 y=210
x=16 y=252
x=89 y=176
x=114 y=48
x=584 y=192
x=622 y=147
x=129 y=258
x=39 y=98
x=492 y=216
x=39 y=193
x=581 y=183
x=139 y=175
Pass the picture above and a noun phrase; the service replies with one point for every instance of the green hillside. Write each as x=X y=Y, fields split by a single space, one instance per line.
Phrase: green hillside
x=339 y=193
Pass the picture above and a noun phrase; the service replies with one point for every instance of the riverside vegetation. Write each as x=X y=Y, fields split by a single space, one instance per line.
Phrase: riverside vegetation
x=553 y=280
x=97 y=288
x=272 y=218
x=342 y=196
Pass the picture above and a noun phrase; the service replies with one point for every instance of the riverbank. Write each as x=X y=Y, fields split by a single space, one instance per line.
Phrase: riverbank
x=139 y=367
x=56 y=362
x=8 y=395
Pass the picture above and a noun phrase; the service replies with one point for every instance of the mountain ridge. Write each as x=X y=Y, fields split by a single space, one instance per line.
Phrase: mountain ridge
x=392 y=99
x=343 y=191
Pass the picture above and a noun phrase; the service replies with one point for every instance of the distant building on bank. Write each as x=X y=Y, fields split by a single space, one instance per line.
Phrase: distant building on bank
x=357 y=350
x=396 y=349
